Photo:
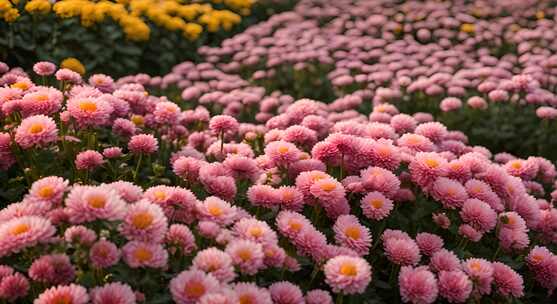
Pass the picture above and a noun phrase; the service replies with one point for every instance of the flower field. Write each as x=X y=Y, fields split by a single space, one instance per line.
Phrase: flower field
x=336 y=152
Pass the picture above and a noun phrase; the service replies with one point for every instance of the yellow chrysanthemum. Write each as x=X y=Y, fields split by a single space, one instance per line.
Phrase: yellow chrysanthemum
x=11 y=15
x=73 y=64
x=38 y=6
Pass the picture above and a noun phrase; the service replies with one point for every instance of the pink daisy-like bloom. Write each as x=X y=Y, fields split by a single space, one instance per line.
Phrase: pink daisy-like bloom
x=22 y=232
x=290 y=224
x=166 y=112
x=127 y=191
x=507 y=281
x=187 y=168
x=376 y=206
x=282 y=153
x=139 y=255
x=513 y=238
x=88 y=203
x=347 y=275
x=286 y=293
x=68 y=75
x=144 y=221
x=89 y=111
x=470 y=233
x=114 y=293
x=223 y=124
x=450 y=193
x=45 y=101
x=525 y=169
x=36 y=131
x=13 y=287
x=124 y=127
x=88 y=160
x=476 y=102
x=209 y=229
x=143 y=143
x=450 y=104
x=351 y=234
x=49 y=190
x=290 y=198
x=216 y=262
x=53 y=269
x=249 y=293
x=435 y=131
x=478 y=214
x=305 y=180
x=318 y=296
x=74 y=294
x=44 y=68
x=442 y=220
x=180 y=237
x=217 y=210
x=23 y=208
x=223 y=296
x=327 y=190
x=444 y=260
x=402 y=251
x=242 y=167
x=102 y=82
x=429 y=243
x=417 y=285
x=80 y=235
x=190 y=285
x=247 y=255
x=416 y=142
x=426 y=168
x=379 y=179
x=454 y=286
x=112 y=152
x=543 y=264
x=255 y=230
x=481 y=273
x=104 y=254
x=480 y=190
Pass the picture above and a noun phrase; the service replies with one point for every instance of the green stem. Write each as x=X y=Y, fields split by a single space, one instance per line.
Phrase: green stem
x=340 y=298
x=136 y=171
x=221 y=142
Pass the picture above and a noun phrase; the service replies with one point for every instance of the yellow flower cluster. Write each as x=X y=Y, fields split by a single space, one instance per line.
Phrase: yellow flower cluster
x=133 y=15
x=7 y=11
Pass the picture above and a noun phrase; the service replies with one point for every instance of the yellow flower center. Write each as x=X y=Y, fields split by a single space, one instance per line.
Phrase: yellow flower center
x=41 y=97
x=283 y=149
x=475 y=266
x=414 y=140
x=537 y=257
x=328 y=186
x=194 y=289
x=88 y=106
x=287 y=195
x=451 y=191
x=142 y=254
x=376 y=203
x=215 y=210
x=20 y=85
x=36 y=128
x=142 y=220
x=432 y=163
x=62 y=299
x=244 y=254
x=294 y=225
x=97 y=201
x=317 y=176
x=348 y=269
x=138 y=120
x=20 y=229
x=159 y=195
x=255 y=231
x=246 y=299
x=46 y=192
x=383 y=151
x=516 y=165
x=353 y=232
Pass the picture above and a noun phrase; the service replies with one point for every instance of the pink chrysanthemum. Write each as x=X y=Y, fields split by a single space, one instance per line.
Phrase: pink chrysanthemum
x=144 y=221
x=19 y=233
x=113 y=293
x=351 y=234
x=189 y=286
x=290 y=198
x=470 y=232
x=74 y=294
x=379 y=179
x=52 y=269
x=88 y=160
x=286 y=293
x=44 y=68
x=88 y=203
x=416 y=142
x=402 y=251
x=104 y=254
x=449 y=192
x=255 y=230
x=318 y=296
x=217 y=210
x=223 y=124
x=417 y=285
x=216 y=262
x=247 y=255
x=249 y=293
x=507 y=281
x=143 y=143
x=127 y=191
x=444 y=260
x=426 y=168
x=139 y=255
x=282 y=153
x=242 y=167
x=49 y=190
x=481 y=273
x=543 y=264
x=80 y=235
x=349 y=275
x=454 y=286
x=13 y=287
x=429 y=243
x=112 y=152
x=478 y=214
x=44 y=101
x=180 y=237
x=290 y=224
x=102 y=82
x=36 y=131
x=376 y=206
x=482 y=191
x=166 y=112
x=89 y=111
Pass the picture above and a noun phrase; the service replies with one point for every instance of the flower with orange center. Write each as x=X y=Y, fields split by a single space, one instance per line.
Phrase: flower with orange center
x=46 y=192
x=246 y=299
x=348 y=269
x=476 y=266
x=294 y=225
x=138 y=120
x=244 y=254
x=283 y=149
x=159 y=195
x=36 y=128
x=215 y=210
x=20 y=229
x=432 y=163
x=317 y=175
x=142 y=220
x=255 y=231
x=376 y=203
x=41 y=98
x=88 y=106
x=20 y=85
x=328 y=186
x=62 y=299
x=97 y=201
x=516 y=164
x=194 y=289
x=353 y=232
x=143 y=254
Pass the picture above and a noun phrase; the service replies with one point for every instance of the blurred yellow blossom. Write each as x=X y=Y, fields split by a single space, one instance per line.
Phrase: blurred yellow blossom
x=73 y=64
